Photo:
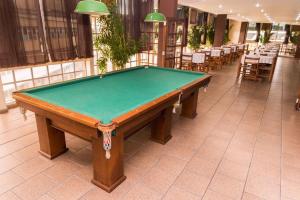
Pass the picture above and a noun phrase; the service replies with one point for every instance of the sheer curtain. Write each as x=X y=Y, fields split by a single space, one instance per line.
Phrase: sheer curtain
x=39 y=31
x=21 y=34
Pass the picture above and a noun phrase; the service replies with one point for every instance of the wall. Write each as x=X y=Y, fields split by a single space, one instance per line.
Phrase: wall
x=234 y=32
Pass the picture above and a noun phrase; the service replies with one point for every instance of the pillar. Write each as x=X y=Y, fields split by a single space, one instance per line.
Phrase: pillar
x=287 y=28
x=169 y=9
x=220 y=26
x=243 y=32
x=258 y=27
x=3 y=107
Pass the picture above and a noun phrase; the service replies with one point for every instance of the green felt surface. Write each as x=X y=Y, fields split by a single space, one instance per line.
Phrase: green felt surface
x=115 y=94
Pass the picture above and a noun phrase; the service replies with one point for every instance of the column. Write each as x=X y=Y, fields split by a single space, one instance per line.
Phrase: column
x=243 y=32
x=287 y=28
x=169 y=9
x=3 y=107
x=220 y=26
x=258 y=27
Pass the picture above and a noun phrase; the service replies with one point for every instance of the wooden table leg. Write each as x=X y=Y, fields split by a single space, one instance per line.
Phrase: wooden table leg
x=108 y=173
x=189 y=105
x=52 y=141
x=161 y=126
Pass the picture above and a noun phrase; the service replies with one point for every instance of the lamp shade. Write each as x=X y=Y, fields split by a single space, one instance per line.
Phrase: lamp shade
x=155 y=17
x=91 y=7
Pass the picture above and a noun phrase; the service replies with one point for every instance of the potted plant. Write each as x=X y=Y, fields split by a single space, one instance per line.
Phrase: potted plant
x=112 y=42
x=295 y=38
x=210 y=34
x=265 y=38
x=194 y=37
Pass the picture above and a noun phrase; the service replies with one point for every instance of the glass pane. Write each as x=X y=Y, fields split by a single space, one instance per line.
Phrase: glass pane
x=79 y=66
x=55 y=79
x=8 y=89
x=7 y=76
x=23 y=74
x=41 y=81
x=39 y=72
x=54 y=69
x=24 y=85
x=68 y=67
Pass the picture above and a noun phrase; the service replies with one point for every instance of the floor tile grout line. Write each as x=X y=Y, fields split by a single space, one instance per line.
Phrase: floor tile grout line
x=226 y=149
x=266 y=101
x=203 y=141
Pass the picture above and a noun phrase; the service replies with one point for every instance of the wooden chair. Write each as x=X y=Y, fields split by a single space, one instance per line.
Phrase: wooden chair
x=186 y=61
x=200 y=62
x=241 y=49
x=227 y=55
x=249 y=67
x=234 y=50
x=216 y=59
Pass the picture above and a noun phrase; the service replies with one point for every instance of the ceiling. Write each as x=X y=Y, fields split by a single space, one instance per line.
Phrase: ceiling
x=276 y=11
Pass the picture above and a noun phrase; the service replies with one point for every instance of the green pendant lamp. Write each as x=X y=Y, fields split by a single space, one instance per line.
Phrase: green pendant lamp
x=155 y=17
x=91 y=7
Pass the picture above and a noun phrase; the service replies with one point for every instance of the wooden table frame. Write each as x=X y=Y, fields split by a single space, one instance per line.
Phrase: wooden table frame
x=53 y=121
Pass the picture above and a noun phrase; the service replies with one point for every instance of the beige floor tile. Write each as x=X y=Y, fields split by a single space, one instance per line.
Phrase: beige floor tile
x=158 y=180
x=118 y=193
x=234 y=170
x=7 y=163
x=27 y=153
x=270 y=172
x=9 y=196
x=34 y=187
x=227 y=186
x=46 y=197
x=212 y=195
x=202 y=167
x=192 y=182
x=248 y=196
x=72 y=188
x=62 y=170
x=290 y=189
x=261 y=187
x=33 y=167
x=9 y=180
x=177 y=194
x=140 y=191
x=170 y=164
x=238 y=155
x=291 y=160
x=290 y=173
x=143 y=160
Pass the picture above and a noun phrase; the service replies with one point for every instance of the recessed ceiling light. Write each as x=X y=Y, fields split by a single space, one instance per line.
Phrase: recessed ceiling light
x=220 y=6
x=262 y=10
x=239 y=14
x=230 y=11
x=257 y=5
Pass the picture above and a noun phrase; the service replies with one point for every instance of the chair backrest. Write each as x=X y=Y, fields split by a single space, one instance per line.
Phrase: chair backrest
x=250 y=59
x=186 y=57
x=216 y=53
x=227 y=50
x=198 y=58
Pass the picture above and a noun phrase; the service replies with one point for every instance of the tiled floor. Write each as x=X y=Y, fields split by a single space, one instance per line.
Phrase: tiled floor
x=244 y=144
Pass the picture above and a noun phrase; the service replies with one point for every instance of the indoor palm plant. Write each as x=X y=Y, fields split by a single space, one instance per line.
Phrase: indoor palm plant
x=211 y=34
x=265 y=38
x=194 y=38
x=112 y=42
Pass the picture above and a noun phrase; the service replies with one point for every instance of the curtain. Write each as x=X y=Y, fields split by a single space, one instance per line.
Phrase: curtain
x=22 y=40
x=130 y=12
x=68 y=34
x=26 y=40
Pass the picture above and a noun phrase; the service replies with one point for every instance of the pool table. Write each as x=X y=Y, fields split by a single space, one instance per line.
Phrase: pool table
x=107 y=109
